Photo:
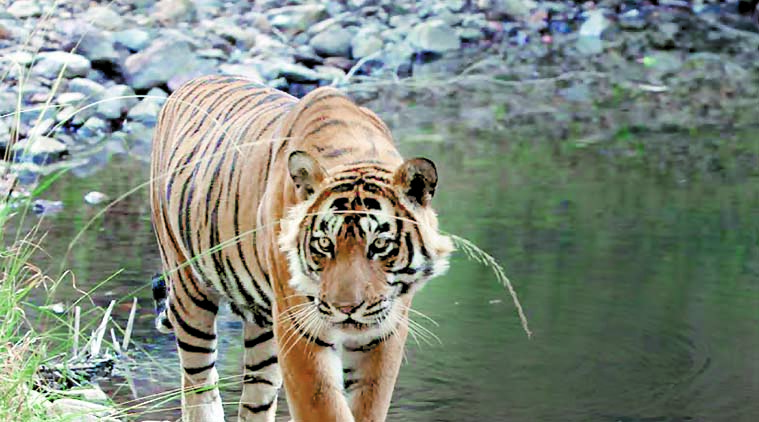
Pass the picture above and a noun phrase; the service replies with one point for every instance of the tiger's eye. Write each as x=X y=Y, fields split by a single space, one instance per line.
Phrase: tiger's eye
x=324 y=243
x=380 y=243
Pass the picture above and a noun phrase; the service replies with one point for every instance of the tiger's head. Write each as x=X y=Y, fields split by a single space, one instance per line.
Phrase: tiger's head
x=361 y=239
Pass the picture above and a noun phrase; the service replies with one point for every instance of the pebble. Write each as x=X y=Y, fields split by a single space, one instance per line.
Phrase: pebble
x=134 y=39
x=434 y=36
x=334 y=41
x=152 y=67
x=104 y=17
x=117 y=100
x=50 y=64
x=94 y=198
x=46 y=207
x=22 y=9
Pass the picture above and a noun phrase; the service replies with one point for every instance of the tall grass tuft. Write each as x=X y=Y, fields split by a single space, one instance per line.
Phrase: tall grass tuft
x=21 y=347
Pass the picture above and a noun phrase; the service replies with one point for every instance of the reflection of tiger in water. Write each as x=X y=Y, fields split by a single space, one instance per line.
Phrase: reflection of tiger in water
x=303 y=216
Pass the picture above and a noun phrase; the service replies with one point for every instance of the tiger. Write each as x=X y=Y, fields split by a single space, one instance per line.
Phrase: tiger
x=302 y=217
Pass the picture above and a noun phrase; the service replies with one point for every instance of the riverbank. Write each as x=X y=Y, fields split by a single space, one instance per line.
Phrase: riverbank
x=92 y=79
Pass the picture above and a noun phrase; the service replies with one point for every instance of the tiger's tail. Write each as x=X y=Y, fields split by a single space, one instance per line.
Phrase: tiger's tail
x=160 y=296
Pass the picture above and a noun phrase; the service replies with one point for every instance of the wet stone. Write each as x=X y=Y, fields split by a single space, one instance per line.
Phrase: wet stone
x=24 y=9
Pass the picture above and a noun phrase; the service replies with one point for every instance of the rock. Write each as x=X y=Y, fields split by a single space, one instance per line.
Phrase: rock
x=146 y=112
x=588 y=46
x=663 y=62
x=297 y=18
x=22 y=58
x=157 y=94
x=42 y=128
x=201 y=68
x=334 y=41
x=116 y=101
x=56 y=308
x=247 y=71
x=104 y=17
x=403 y=22
x=7 y=103
x=578 y=93
x=5 y=33
x=398 y=55
x=45 y=207
x=134 y=39
x=40 y=150
x=330 y=72
x=365 y=43
x=595 y=25
x=139 y=138
x=454 y=5
x=70 y=98
x=298 y=73
x=153 y=67
x=632 y=20
x=83 y=411
x=96 y=394
x=434 y=36
x=51 y=63
x=97 y=46
x=499 y=9
x=93 y=90
x=170 y=11
x=5 y=134
x=241 y=37
x=339 y=62
x=22 y=9
x=663 y=35
x=93 y=130
x=470 y=34
x=77 y=115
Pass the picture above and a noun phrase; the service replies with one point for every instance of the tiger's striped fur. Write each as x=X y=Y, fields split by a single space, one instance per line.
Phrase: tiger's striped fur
x=302 y=216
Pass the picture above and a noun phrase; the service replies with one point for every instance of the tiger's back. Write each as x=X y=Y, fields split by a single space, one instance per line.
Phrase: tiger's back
x=213 y=132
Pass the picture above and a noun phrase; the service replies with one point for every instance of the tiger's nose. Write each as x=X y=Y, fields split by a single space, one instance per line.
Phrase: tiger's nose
x=348 y=309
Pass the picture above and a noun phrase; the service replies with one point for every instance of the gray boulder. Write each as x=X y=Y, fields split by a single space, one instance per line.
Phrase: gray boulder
x=365 y=43
x=134 y=39
x=104 y=17
x=154 y=67
x=98 y=46
x=51 y=63
x=93 y=90
x=117 y=101
x=334 y=41
x=297 y=18
x=434 y=36
x=24 y=9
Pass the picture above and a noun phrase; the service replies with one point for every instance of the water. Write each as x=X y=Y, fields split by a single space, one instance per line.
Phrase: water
x=641 y=286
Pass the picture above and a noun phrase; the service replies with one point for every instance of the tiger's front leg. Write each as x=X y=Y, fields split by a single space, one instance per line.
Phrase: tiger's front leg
x=311 y=373
x=192 y=313
x=370 y=371
x=263 y=377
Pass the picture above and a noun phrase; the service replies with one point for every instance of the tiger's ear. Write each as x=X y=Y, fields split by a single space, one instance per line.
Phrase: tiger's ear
x=417 y=178
x=305 y=172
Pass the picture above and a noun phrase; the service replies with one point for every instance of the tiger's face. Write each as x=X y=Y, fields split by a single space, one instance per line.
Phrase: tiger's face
x=361 y=241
